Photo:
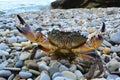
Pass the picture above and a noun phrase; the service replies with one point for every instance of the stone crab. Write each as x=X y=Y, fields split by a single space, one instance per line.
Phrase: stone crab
x=68 y=45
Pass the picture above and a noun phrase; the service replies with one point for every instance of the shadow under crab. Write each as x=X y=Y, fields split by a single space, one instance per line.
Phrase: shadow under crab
x=67 y=45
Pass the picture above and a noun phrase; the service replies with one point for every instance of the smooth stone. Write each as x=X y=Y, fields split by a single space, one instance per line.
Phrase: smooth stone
x=114 y=37
x=1 y=78
x=113 y=65
x=78 y=74
x=24 y=55
x=54 y=67
x=100 y=79
x=25 y=75
x=107 y=43
x=21 y=39
x=73 y=67
x=63 y=68
x=44 y=76
x=3 y=46
x=115 y=48
x=56 y=74
x=19 y=63
x=5 y=73
x=31 y=64
x=12 y=40
x=63 y=78
x=3 y=64
x=2 y=52
x=112 y=77
x=43 y=66
x=39 y=54
x=69 y=75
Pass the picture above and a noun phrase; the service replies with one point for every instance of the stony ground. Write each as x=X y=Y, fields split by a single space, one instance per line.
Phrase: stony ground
x=15 y=65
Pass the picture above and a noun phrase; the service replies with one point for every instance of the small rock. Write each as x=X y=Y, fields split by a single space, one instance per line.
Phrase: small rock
x=69 y=75
x=73 y=67
x=115 y=48
x=112 y=77
x=12 y=40
x=113 y=65
x=107 y=43
x=106 y=50
x=56 y=74
x=2 y=52
x=63 y=68
x=24 y=55
x=54 y=67
x=63 y=78
x=44 y=76
x=31 y=64
x=19 y=64
x=78 y=74
x=1 y=78
x=39 y=54
x=114 y=37
x=24 y=74
x=5 y=73
x=100 y=79
x=3 y=46
x=21 y=39
x=43 y=66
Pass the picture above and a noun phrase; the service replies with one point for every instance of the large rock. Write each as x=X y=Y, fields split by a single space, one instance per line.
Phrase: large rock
x=67 y=4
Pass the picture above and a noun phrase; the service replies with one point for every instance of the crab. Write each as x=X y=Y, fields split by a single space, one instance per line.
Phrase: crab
x=68 y=45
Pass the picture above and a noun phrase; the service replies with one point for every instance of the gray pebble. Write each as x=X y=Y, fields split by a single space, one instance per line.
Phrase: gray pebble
x=3 y=46
x=24 y=74
x=56 y=74
x=62 y=78
x=13 y=39
x=78 y=74
x=24 y=55
x=115 y=48
x=5 y=73
x=114 y=37
x=44 y=76
x=43 y=66
x=1 y=78
x=69 y=75
x=73 y=67
x=39 y=54
x=112 y=77
x=19 y=64
x=63 y=68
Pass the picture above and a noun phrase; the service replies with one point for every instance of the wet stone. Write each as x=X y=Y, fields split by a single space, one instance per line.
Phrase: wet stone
x=24 y=74
x=19 y=64
x=5 y=73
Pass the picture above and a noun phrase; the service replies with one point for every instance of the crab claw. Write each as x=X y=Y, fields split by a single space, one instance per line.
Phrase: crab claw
x=96 y=40
x=27 y=32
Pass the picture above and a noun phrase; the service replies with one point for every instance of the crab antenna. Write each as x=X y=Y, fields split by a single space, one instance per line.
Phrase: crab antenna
x=21 y=20
x=103 y=28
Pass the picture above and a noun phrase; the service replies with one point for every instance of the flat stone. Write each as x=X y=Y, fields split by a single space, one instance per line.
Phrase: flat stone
x=5 y=73
x=44 y=76
x=24 y=55
x=24 y=74
x=69 y=75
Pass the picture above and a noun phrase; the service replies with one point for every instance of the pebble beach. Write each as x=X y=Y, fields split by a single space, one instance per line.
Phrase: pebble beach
x=16 y=65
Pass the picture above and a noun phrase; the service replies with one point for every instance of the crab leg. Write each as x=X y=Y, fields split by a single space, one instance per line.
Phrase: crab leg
x=27 y=32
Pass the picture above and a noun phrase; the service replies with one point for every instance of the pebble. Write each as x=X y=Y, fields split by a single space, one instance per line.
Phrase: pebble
x=39 y=54
x=73 y=67
x=113 y=65
x=31 y=64
x=56 y=74
x=13 y=39
x=43 y=66
x=19 y=63
x=112 y=77
x=114 y=37
x=5 y=73
x=69 y=75
x=1 y=78
x=63 y=78
x=2 y=52
x=78 y=74
x=24 y=55
x=44 y=76
x=107 y=43
x=25 y=75
x=115 y=48
x=106 y=50
x=63 y=68
x=3 y=46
